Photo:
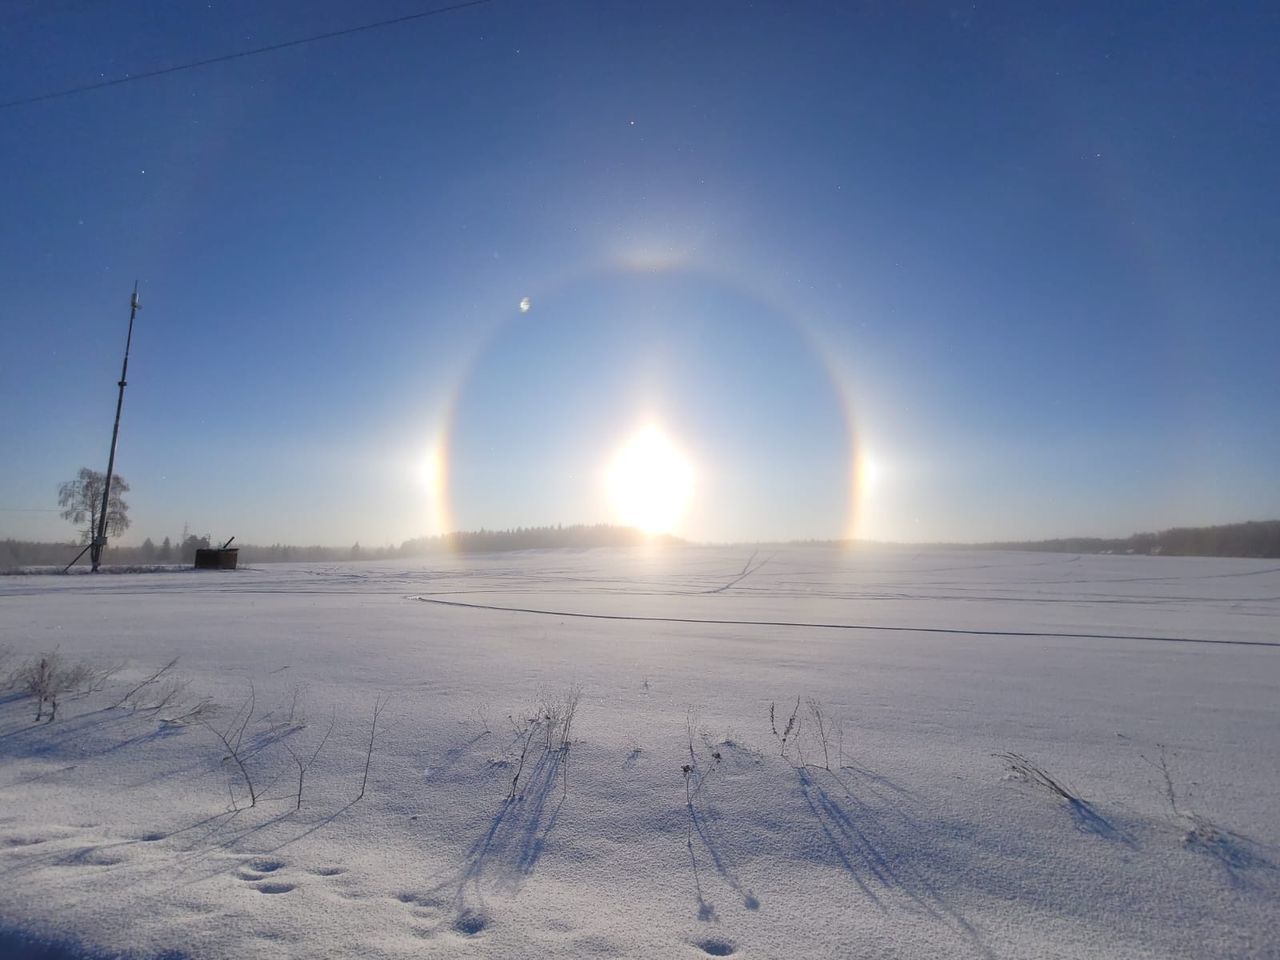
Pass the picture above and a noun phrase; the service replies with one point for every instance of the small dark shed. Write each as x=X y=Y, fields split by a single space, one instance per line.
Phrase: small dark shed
x=217 y=558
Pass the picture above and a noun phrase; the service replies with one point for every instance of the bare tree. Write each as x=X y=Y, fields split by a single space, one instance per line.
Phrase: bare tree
x=81 y=502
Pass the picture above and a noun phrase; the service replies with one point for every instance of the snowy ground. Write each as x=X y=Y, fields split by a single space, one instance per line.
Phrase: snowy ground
x=117 y=833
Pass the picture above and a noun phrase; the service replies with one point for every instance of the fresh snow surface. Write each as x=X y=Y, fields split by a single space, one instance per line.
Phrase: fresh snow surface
x=123 y=834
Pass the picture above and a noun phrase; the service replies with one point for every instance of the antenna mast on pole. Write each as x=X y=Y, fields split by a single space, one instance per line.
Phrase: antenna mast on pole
x=100 y=536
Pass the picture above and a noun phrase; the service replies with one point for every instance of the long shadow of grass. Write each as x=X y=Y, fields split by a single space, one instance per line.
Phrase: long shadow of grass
x=508 y=851
x=1241 y=858
x=702 y=829
x=1083 y=813
x=868 y=840
x=84 y=850
x=34 y=739
x=1089 y=820
x=212 y=842
x=134 y=728
x=456 y=753
x=875 y=782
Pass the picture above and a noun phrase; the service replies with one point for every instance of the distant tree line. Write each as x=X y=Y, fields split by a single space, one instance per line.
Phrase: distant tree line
x=579 y=536
x=25 y=553
x=30 y=553
x=1256 y=538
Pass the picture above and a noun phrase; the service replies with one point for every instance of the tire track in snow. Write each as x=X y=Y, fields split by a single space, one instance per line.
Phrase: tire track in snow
x=843 y=626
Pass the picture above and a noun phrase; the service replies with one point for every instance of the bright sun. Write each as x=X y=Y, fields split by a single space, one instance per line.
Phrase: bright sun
x=650 y=482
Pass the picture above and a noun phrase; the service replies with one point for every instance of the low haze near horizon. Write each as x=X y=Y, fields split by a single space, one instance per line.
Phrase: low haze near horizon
x=767 y=271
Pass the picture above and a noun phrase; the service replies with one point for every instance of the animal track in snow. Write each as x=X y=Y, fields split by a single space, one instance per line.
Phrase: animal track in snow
x=27 y=838
x=24 y=841
x=89 y=857
x=260 y=869
x=275 y=887
x=417 y=899
x=470 y=923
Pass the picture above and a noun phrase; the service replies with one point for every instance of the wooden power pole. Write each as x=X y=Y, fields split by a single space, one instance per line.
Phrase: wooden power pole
x=100 y=536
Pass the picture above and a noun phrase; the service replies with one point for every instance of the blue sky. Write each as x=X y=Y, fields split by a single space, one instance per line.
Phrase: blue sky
x=1018 y=260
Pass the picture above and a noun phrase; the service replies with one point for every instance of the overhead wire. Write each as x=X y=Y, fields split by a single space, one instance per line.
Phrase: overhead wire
x=241 y=54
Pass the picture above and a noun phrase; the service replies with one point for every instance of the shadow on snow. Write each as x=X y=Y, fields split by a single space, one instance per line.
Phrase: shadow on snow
x=508 y=851
x=867 y=839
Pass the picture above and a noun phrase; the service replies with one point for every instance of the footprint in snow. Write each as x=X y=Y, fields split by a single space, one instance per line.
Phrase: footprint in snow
x=259 y=868
x=417 y=899
x=275 y=887
x=327 y=871
x=424 y=907
x=716 y=948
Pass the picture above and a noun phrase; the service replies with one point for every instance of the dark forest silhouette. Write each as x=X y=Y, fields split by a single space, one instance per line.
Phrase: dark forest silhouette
x=1256 y=538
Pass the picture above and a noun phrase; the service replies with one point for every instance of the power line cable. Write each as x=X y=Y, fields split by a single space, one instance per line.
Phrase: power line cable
x=130 y=78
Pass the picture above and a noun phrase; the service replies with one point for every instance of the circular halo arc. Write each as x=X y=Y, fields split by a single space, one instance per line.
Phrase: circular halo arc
x=818 y=346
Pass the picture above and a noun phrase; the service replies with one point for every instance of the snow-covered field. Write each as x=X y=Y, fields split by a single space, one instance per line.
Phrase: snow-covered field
x=673 y=825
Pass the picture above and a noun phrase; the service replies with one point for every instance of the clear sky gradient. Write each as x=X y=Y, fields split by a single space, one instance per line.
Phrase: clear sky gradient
x=1012 y=267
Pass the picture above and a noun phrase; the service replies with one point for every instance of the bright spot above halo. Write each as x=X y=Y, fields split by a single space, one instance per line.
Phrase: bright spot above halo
x=525 y=304
x=650 y=482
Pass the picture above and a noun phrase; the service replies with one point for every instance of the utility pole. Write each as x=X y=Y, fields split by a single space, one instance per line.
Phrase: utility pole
x=100 y=537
